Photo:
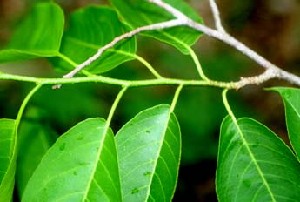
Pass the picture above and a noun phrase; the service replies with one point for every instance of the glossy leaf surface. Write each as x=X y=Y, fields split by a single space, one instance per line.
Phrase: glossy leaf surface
x=254 y=164
x=140 y=12
x=149 y=148
x=39 y=35
x=7 y=159
x=81 y=165
x=90 y=29
x=291 y=100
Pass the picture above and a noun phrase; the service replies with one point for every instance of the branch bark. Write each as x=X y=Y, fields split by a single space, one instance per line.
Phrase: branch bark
x=271 y=70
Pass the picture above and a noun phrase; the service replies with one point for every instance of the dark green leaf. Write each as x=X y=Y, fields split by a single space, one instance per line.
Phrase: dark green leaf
x=254 y=164
x=149 y=148
x=39 y=35
x=291 y=100
x=138 y=13
x=90 y=29
x=81 y=165
x=7 y=158
x=33 y=142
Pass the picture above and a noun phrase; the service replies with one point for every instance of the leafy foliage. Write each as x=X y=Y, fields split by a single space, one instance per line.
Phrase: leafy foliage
x=89 y=171
x=91 y=28
x=147 y=13
x=254 y=164
x=8 y=158
x=149 y=154
x=89 y=153
x=291 y=98
x=47 y=21
x=140 y=162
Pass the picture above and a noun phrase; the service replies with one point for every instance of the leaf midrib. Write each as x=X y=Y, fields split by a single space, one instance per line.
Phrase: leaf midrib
x=253 y=159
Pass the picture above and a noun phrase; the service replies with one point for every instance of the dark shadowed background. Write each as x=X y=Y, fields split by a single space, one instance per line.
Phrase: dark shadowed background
x=271 y=27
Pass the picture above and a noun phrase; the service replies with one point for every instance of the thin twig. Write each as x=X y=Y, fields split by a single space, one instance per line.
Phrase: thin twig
x=226 y=38
x=265 y=76
x=116 y=40
x=216 y=15
x=158 y=26
x=181 y=19
x=176 y=13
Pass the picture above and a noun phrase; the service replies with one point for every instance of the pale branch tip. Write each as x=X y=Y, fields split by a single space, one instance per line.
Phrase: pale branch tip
x=223 y=36
x=271 y=70
x=170 y=9
x=216 y=15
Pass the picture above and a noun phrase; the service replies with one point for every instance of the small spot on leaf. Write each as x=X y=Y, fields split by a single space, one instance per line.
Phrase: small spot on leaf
x=147 y=173
x=62 y=147
x=80 y=138
x=75 y=173
x=134 y=191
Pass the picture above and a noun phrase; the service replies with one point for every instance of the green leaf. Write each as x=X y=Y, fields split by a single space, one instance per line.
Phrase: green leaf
x=39 y=35
x=34 y=141
x=81 y=165
x=291 y=100
x=139 y=13
x=149 y=148
x=90 y=29
x=7 y=158
x=254 y=164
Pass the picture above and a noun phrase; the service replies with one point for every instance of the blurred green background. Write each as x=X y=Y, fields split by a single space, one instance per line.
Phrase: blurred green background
x=270 y=27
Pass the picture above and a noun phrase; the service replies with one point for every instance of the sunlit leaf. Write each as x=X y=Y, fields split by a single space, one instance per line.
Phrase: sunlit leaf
x=254 y=164
x=291 y=100
x=33 y=142
x=91 y=28
x=138 y=13
x=39 y=35
x=149 y=148
x=7 y=158
x=81 y=165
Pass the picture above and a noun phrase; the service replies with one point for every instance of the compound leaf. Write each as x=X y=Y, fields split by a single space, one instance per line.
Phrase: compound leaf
x=139 y=13
x=39 y=35
x=254 y=164
x=149 y=149
x=7 y=158
x=90 y=29
x=81 y=165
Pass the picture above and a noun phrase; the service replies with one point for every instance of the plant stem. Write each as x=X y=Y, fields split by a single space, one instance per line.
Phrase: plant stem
x=197 y=63
x=227 y=106
x=114 y=106
x=25 y=102
x=121 y=82
x=175 y=98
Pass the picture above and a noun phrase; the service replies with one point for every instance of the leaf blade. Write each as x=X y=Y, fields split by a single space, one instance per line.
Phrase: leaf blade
x=146 y=13
x=8 y=159
x=39 y=34
x=254 y=164
x=291 y=98
x=149 y=161
x=86 y=36
x=84 y=174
